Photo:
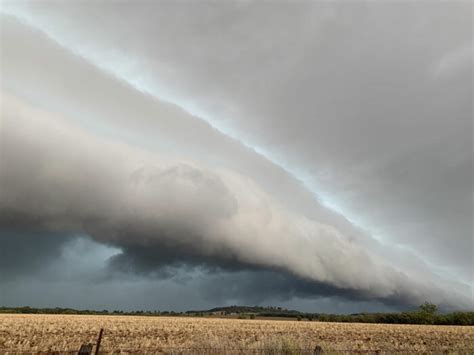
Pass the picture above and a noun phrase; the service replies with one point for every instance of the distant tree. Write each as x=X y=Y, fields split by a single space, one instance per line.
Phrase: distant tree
x=429 y=308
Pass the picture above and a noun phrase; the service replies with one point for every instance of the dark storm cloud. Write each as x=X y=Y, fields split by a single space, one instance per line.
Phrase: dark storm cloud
x=161 y=260
x=79 y=277
x=227 y=278
x=369 y=105
x=257 y=286
x=23 y=252
x=221 y=280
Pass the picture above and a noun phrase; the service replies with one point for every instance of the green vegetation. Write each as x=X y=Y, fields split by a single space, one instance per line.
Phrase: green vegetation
x=426 y=314
x=58 y=310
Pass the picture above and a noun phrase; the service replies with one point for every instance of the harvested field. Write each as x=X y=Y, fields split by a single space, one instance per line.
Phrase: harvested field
x=174 y=335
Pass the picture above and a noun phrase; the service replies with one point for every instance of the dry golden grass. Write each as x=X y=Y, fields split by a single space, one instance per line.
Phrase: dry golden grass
x=173 y=335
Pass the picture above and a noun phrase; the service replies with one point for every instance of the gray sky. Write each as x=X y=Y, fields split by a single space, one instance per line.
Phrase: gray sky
x=314 y=155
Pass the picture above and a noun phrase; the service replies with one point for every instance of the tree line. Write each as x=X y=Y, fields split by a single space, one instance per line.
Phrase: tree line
x=427 y=313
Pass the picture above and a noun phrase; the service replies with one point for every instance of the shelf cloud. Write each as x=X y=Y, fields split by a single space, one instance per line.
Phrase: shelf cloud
x=304 y=156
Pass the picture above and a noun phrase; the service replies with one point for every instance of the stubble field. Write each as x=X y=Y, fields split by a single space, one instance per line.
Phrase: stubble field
x=175 y=335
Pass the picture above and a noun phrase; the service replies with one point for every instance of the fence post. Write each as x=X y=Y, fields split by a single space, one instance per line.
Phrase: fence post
x=97 y=346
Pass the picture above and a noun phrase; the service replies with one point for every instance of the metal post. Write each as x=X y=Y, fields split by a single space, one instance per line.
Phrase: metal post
x=98 y=341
